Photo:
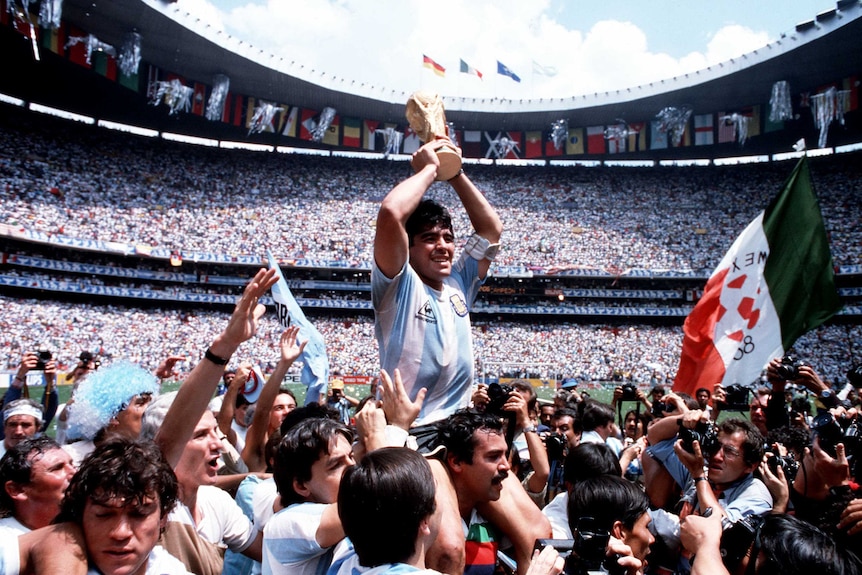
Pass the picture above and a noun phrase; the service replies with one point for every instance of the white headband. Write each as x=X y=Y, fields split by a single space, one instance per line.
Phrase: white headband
x=23 y=409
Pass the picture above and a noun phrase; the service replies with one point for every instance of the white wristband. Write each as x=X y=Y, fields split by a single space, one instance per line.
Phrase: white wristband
x=480 y=249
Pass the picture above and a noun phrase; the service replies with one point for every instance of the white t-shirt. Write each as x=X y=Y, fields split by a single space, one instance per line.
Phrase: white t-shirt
x=222 y=521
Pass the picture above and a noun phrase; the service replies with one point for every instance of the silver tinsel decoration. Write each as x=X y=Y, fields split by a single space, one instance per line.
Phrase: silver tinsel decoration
x=391 y=141
x=130 y=54
x=501 y=146
x=50 y=13
x=780 y=106
x=218 y=97
x=452 y=135
x=559 y=133
x=174 y=94
x=826 y=107
x=740 y=126
x=318 y=130
x=93 y=45
x=673 y=121
x=262 y=118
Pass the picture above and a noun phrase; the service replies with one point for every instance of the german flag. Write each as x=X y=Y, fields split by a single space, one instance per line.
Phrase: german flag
x=434 y=66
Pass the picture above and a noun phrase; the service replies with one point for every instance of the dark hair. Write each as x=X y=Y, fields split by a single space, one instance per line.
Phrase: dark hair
x=523 y=385
x=427 y=215
x=589 y=460
x=17 y=466
x=299 y=449
x=241 y=400
x=752 y=444
x=457 y=432
x=791 y=546
x=596 y=414
x=795 y=439
x=125 y=469
x=395 y=487
x=689 y=401
x=607 y=499
x=312 y=410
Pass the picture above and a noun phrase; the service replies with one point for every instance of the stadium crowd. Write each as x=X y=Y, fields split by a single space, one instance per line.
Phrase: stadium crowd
x=589 y=352
x=92 y=184
x=228 y=475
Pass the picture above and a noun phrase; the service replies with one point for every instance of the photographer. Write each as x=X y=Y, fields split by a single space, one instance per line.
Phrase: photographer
x=343 y=403
x=781 y=544
x=609 y=507
x=526 y=433
x=39 y=360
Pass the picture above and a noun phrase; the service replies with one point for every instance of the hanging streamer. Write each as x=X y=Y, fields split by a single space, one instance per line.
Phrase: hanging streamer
x=780 y=107
x=175 y=96
x=559 y=133
x=130 y=54
x=218 y=97
x=673 y=121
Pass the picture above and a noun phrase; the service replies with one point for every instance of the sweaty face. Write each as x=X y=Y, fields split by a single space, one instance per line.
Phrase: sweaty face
x=283 y=405
x=198 y=464
x=326 y=472
x=119 y=535
x=727 y=464
x=482 y=479
x=50 y=474
x=431 y=255
x=19 y=427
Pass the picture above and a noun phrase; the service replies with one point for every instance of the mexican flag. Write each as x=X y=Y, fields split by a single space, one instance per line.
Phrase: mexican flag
x=773 y=285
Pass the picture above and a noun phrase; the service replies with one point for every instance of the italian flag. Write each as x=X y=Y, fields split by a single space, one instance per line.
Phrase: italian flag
x=774 y=284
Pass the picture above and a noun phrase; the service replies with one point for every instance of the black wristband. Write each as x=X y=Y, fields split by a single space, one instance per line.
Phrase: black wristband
x=214 y=358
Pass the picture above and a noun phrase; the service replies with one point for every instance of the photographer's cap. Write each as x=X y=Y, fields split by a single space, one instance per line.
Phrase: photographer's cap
x=336 y=384
x=569 y=383
x=253 y=385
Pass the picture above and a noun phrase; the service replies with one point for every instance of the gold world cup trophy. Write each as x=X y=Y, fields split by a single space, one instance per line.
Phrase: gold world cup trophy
x=426 y=117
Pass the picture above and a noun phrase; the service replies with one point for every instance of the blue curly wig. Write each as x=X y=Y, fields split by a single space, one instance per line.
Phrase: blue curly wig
x=105 y=393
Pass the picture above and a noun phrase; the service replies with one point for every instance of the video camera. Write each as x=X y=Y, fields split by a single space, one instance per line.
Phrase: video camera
x=586 y=554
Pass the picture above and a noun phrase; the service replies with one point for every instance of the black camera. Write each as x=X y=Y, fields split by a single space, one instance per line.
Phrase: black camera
x=586 y=554
x=44 y=356
x=788 y=369
x=703 y=433
x=630 y=392
x=736 y=397
x=498 y=395
x=736 y=539
x=555 y=445
x=787 y=463
x=831 y=433
x=659 y=408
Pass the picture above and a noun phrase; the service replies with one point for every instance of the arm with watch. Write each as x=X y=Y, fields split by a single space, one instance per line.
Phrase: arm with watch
x=538 y=454
x=194 y=395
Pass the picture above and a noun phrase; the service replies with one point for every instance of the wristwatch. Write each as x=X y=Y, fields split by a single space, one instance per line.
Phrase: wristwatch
x=531 y=429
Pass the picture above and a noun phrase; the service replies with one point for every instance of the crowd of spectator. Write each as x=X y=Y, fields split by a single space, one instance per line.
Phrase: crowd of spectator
x=590 y=352
x=93 y=184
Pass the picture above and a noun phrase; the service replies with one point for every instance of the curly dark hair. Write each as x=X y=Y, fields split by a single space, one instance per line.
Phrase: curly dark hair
x=457 y=432
x=124 y=469
x=427 y=215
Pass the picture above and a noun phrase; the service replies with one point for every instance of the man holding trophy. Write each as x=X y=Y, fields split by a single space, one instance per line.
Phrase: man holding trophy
x=422 y=297
x=421 y=294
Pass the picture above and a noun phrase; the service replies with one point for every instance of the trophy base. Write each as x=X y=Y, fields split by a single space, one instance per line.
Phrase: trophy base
x=450 y=163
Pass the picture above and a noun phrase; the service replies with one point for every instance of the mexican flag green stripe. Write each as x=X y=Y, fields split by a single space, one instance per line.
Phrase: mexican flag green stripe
x=774 y=284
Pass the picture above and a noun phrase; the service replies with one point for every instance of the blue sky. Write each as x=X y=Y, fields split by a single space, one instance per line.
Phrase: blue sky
x=592 y=46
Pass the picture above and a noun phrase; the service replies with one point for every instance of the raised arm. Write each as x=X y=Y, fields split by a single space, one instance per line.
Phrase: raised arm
x=254 y=452
x=482 y=216
x=391 y=244
x=194 y=395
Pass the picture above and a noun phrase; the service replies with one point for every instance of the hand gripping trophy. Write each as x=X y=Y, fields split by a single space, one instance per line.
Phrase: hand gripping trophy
x=426 y=117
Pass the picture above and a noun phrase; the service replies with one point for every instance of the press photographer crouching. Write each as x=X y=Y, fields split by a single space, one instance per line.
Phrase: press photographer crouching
x=609 y=520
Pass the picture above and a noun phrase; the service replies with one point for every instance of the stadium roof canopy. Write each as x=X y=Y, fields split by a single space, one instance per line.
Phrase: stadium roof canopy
x=818 y=52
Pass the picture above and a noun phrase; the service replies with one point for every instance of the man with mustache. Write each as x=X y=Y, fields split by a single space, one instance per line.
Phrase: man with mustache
x=477 y=463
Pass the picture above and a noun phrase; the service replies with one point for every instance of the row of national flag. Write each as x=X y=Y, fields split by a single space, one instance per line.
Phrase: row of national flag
x=502 y=69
